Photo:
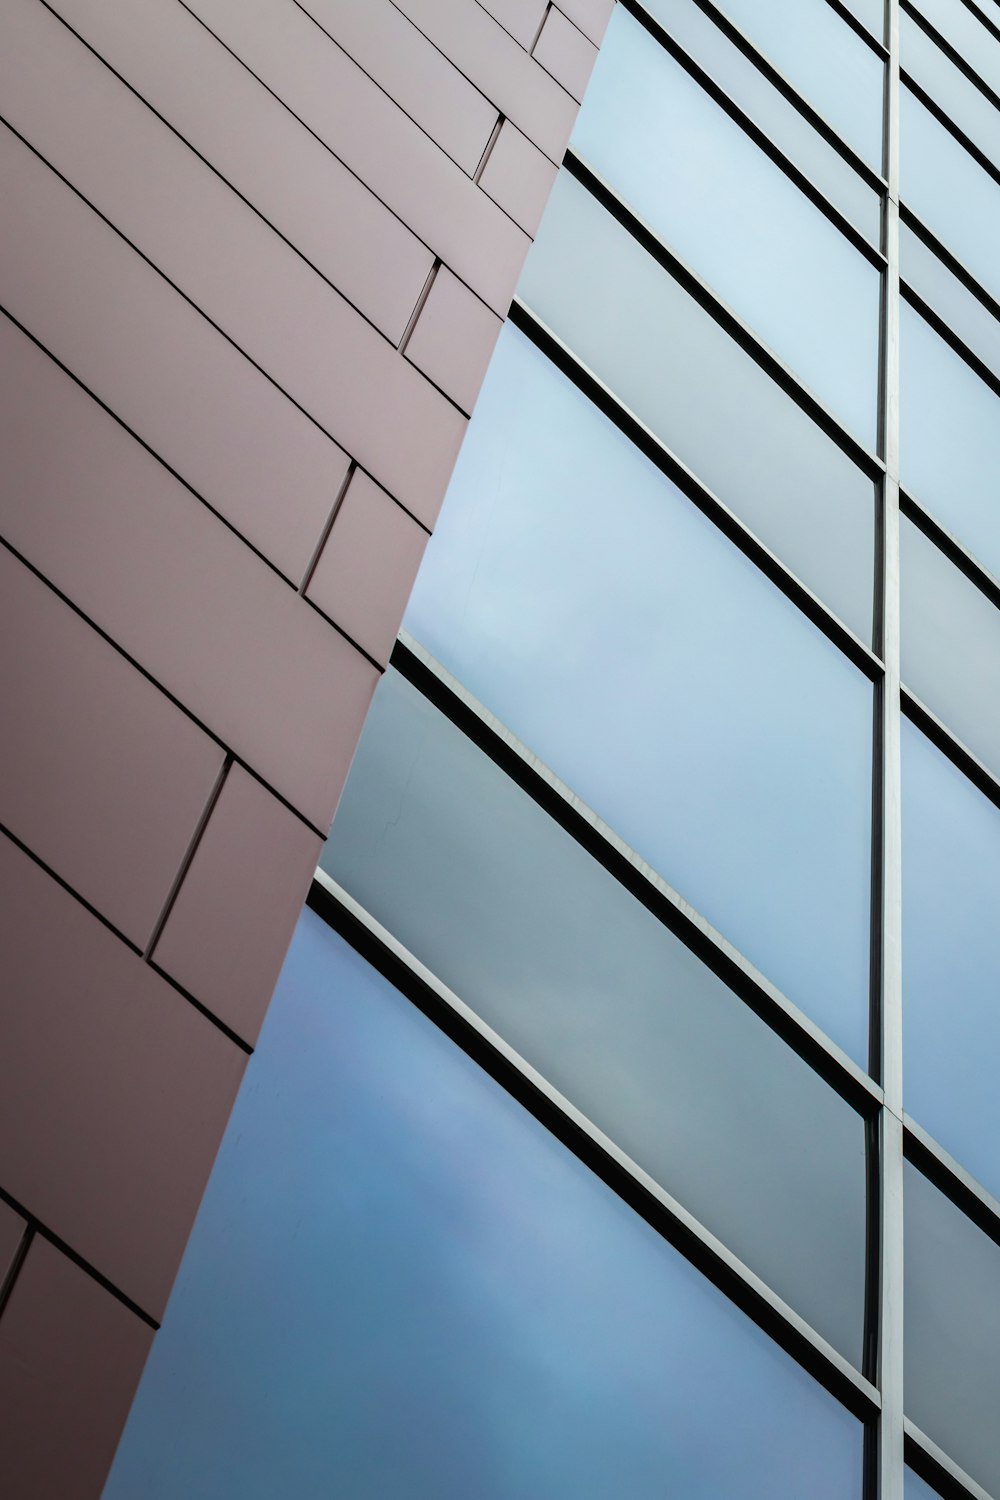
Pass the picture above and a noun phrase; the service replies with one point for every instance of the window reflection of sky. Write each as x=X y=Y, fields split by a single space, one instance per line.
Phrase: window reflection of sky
x=400 y=1285
x=588 y=604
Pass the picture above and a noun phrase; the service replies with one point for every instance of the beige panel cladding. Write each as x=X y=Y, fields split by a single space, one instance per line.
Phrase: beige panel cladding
x=256 y=257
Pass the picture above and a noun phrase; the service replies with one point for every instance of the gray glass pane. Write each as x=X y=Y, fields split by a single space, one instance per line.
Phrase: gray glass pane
x=827 y=62
x=949 y=191
x=696 y=178
x=952 y=1389
x=949 y=439
x=976 y=43
x=770 y=110
x=915 y=1488
x=606 y=621
x=607 y=1004
x=401 y=1287
x=950 y=636
x=672 y=365
x=949 y=87
x=961 y=311
x=951 y=958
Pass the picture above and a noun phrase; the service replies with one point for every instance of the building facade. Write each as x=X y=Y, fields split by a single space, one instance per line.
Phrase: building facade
x=624 y=1121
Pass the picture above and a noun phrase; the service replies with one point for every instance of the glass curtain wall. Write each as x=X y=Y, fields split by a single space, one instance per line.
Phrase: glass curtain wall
x=626 y=1118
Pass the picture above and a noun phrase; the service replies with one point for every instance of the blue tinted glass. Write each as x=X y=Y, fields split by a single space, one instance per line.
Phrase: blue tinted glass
x=951 y=958
x=949 y=440
x=952 y=1344
x=961 y=99
x=961 y=310
x=838 y=73
x=959 y=25
x=949 y=191
x=605 y=620
x=915 y=1488
x=693 y=175
x=572 y=971
x=769 y=109
x=670 y=363
x=401 y=1287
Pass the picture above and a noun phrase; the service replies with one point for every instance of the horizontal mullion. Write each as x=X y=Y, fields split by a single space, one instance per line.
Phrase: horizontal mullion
x=611 y=852
x=591 y=1146
x=950 y=745
x=764 y=142
x=951 y=53
x=955 y=131
x=739 y=330
x=941 y=1168
x=730 y=524
x=933 y=1464
x=952 y=549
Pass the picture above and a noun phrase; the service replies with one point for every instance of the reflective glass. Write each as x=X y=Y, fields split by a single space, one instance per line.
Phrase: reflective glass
x=827 y=62
x=871 y=14
x=949 y=438
x=694 y=176
x=950 y=640
x=606 y=1003
x=401 y=1287
x=948 y=86
x=686 y=379
x=958 y=25
x=961 y=311
x=915 y=1488
x=949 y=191
x=951 y=958
x=952 y=1381
x=579 y=595
x=747 y=86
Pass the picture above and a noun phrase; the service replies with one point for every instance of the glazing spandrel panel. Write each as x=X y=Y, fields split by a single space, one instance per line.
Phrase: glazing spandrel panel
x=699 y=181
x=606 y=1003
x=961 y=311
x=401 y=1286
x=591 y=606
x=962 y=100
x=671 y=364
x=952 y=1346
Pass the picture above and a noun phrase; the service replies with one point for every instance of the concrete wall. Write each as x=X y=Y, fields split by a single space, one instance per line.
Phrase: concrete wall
x=255 y=257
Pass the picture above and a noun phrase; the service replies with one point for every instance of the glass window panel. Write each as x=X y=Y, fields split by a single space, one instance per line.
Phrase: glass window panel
x=976 y=43
x=871 y=14
x=671 y=364
x=951 y=958
x=949 y=191
x=950 y=638
x=952 y=1381
x=692 y=175
x=703 y=40
x=949 y=87
x=605 y=1002
x=953 y=302
x=949 y=438
x=401 y=1286
x=915 y=1488
x=827 y=62
x=579 y=595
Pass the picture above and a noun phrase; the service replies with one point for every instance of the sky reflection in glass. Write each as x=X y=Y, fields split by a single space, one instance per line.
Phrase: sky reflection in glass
x=589 y=605
x=401 y=1286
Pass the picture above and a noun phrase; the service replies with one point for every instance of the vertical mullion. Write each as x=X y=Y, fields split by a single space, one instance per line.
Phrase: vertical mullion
x=890 y=1320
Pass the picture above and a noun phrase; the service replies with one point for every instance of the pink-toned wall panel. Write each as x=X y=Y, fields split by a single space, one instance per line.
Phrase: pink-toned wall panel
x=518 y=177
x=376 y=140
x=420 y=78
x=114 y=1089
x=12 y=1228
x=228 y=930
x=522 y=18
x=164 y=371
x=101 y=774
x=564 y=51
x=220 y=254
x=151 y=565
x=453 y=341
x=299 y=186
x=366 y=570
x=70 y=1359
x=592 y=16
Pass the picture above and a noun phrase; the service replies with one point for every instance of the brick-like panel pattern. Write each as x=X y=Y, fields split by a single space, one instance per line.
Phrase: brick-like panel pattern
x=256 y=257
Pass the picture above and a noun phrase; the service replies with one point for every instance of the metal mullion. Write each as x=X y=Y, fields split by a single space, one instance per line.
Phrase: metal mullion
x=975 y=770
x=764 y=142
x=848 y=16
x=856 y=650
x=611 y=852
x=590 y=1145
x=739 y=330
x=933 y=1464
x=889 y=1458
x=951 y=53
